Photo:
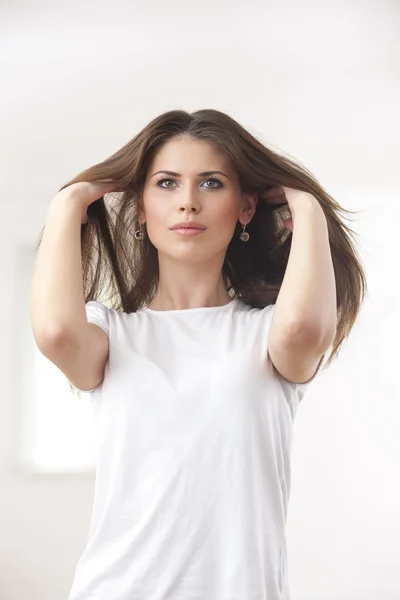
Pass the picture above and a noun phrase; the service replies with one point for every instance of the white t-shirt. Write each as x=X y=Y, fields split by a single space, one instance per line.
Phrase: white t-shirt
x=194 y=428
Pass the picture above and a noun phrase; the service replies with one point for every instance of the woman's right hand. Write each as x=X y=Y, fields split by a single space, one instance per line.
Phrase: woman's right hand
x=86 y=192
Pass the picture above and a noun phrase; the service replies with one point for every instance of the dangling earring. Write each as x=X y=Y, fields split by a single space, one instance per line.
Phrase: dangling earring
x=139 y=235
x=244 y=236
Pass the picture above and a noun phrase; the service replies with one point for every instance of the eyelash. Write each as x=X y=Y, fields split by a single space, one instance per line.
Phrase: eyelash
x=208 y=179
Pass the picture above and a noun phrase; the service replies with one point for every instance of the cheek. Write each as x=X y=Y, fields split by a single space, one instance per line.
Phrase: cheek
x=157 y=215
x=225 y=217
x=158 y=220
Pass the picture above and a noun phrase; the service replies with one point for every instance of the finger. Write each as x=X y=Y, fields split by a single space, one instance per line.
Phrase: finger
x=289 y=224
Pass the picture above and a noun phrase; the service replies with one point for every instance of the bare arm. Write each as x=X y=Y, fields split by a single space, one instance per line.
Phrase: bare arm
x=304 y=322
x=57 y=297
x=58 y=314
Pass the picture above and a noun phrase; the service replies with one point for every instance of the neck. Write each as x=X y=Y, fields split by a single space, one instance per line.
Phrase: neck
x=182 y=286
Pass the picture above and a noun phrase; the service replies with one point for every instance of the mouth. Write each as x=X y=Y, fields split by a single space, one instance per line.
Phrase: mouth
x=188 y=230
x=187 y=227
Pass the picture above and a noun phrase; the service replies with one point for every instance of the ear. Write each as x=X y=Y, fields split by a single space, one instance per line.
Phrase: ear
x=249 y=205
x=140 y=212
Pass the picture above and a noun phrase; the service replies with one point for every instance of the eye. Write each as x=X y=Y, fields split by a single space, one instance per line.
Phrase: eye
x=214 y=179
x=162 y=181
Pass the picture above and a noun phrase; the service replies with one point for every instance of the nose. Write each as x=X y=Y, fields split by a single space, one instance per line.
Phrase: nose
x=188 y=203
x=190 y=209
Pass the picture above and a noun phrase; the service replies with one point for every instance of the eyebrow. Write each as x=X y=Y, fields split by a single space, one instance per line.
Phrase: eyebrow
x=203 y=174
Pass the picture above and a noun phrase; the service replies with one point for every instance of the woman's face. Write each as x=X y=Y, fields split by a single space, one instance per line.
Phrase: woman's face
x=214 y=200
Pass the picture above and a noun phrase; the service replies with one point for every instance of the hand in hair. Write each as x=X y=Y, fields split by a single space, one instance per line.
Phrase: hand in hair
x=291 y=197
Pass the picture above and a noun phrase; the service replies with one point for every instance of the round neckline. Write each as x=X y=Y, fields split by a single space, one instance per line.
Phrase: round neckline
x=190 y=310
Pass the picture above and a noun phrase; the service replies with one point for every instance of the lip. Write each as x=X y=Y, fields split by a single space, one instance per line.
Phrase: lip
x=187 y=230
x=189 y=225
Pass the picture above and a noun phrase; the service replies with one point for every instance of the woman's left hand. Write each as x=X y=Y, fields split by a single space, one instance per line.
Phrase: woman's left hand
x=286 y=195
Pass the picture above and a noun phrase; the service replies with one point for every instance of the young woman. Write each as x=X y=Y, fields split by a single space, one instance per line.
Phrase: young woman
x=228 y=272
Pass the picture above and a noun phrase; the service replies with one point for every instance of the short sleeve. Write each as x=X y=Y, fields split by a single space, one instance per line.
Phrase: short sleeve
x=301 y=388
x=96 y=313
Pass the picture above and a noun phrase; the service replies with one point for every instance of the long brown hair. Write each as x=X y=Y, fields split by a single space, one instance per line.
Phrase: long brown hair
x=114 y=262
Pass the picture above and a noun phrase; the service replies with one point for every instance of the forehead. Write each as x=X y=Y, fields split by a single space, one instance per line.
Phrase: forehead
x=189 y=156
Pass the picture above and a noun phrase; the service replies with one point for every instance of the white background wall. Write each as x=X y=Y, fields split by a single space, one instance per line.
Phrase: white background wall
x=320 y=81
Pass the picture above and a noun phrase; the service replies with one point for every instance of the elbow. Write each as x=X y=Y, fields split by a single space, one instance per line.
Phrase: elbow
x=312 y=334
x=51 y=340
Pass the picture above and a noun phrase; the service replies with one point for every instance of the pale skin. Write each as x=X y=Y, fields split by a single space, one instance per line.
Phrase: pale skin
x=190 y=268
